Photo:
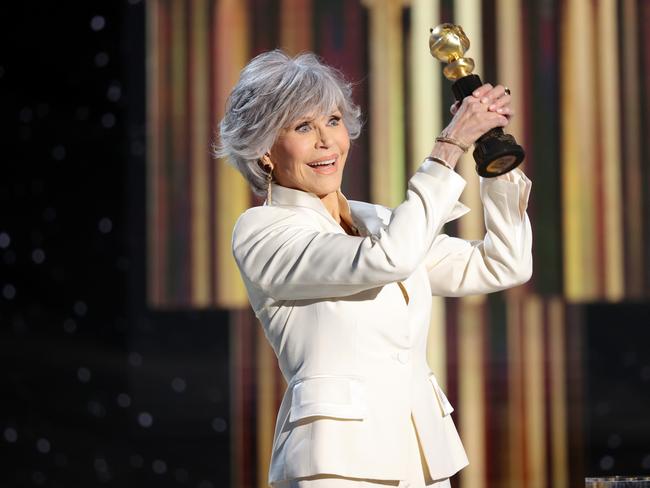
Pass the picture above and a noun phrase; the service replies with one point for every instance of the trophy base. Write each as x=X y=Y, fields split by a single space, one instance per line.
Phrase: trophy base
x=495 y=152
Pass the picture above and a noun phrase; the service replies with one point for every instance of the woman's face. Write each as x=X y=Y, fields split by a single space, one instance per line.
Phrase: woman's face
x=300 y=151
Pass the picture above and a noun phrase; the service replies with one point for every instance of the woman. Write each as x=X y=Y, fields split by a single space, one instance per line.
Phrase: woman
x=343 y=288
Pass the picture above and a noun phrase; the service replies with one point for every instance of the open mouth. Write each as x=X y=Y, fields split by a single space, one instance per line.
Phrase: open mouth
x=323 y=164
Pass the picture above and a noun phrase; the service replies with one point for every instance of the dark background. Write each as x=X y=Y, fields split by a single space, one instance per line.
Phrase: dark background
x=97 y=390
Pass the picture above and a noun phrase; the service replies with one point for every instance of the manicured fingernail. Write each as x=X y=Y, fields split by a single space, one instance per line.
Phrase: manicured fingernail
x=484 y=100
x=500 y=110
x=491 y=107
x=475 y=93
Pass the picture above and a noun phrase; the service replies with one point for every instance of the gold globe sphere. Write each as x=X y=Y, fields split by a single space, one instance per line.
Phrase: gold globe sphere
x=448 y=42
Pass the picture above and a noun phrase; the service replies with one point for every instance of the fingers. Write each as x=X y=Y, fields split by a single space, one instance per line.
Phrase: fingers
x=473 y=119
x=496 y=98
x=481 y=91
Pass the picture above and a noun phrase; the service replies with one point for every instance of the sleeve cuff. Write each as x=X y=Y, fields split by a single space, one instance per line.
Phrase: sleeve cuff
x=439 y=171
x=515 y=184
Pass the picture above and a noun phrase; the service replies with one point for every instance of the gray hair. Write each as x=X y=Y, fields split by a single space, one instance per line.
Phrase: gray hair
x=273 y=91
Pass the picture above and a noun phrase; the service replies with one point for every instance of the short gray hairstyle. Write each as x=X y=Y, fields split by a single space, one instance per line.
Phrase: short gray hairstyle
x=273 y=91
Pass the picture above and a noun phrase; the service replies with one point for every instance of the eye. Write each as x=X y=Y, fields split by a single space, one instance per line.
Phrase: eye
x=334 y=120
x=302 y=127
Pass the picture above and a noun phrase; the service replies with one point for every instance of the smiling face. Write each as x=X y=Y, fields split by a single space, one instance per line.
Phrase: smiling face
x=310 y=154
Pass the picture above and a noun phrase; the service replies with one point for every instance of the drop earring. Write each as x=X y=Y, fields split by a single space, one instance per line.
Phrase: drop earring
x=269 y=177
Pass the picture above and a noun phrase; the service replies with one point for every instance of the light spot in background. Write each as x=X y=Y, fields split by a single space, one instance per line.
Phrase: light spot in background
x=606 y=463
x=80 y=308
x=38 y=256
x=135 y=359
x=5 y=240
x=105 y=225
x=219 y=424
x=108 y=120
x=124 y=400
x=9 y=291
x=101 y=470
x=145 y=419
x=114 y=92
x=10 y=435
x=83 y=374
x=43 y=445
x=179 y=385
x=159 y=466
x=69 y=326
x=97 y=23
x=101 y=59
x=100 y=464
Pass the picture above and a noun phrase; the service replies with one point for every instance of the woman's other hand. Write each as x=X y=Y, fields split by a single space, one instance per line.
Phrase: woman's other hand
x=486 y=108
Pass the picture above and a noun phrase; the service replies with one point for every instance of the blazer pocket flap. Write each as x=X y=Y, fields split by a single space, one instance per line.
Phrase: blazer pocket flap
x=443 y=402
x=329 y=396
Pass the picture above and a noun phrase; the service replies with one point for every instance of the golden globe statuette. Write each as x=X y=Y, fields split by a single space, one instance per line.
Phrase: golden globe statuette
x=495 y=152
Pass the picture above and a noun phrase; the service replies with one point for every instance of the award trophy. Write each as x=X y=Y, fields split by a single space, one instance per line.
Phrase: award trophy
x=495 y=152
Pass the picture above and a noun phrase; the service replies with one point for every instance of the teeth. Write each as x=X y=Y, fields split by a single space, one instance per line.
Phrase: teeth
x=322 y=163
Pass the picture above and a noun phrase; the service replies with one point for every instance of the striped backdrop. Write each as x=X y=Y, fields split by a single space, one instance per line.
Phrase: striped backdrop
x=579 y=71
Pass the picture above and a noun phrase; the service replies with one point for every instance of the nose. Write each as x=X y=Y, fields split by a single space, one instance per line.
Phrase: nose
x=323 y=138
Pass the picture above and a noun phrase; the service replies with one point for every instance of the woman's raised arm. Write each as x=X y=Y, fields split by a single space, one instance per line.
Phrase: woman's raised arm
x=279 y=251
x=503 y=259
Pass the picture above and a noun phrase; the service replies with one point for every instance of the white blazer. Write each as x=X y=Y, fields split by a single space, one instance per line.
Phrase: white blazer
x=350 y=344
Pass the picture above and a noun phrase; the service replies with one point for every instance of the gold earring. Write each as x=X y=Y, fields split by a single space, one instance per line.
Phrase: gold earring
x=269 y=176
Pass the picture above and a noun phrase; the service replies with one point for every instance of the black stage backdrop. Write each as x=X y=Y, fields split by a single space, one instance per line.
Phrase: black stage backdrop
x=95 y=389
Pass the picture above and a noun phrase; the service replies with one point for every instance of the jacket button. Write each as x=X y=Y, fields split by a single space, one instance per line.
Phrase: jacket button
x=404 y=357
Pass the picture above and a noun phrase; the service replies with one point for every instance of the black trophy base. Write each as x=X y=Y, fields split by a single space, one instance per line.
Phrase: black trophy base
x=495 y=152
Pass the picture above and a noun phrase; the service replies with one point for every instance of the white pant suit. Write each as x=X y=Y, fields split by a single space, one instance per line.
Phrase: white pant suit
x=348 y=316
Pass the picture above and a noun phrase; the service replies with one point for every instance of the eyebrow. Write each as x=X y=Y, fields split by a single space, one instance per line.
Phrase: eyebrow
x=302 y=120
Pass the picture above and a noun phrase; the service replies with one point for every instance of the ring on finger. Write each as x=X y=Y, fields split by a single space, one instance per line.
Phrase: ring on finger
x=507 y=90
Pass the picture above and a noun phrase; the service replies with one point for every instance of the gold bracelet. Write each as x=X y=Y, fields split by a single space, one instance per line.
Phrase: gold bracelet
x=455 y=142
x=439 y=161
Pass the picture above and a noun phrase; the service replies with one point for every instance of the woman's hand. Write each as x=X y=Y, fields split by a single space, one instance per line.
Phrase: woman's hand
x=488 y=107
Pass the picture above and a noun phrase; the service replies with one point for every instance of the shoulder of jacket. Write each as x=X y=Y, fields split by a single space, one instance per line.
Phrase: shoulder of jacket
x=264 y=216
